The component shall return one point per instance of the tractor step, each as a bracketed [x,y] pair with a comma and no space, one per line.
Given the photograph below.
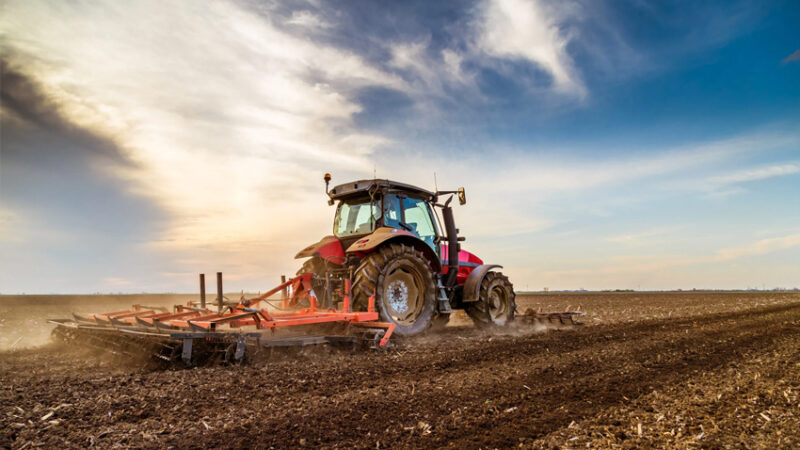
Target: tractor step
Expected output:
[443,306]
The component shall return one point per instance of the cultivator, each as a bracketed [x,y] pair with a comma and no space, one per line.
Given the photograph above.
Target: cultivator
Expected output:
[193,334]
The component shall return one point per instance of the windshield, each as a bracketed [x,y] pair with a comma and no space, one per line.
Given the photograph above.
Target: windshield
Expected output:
[355,216]
[414,212]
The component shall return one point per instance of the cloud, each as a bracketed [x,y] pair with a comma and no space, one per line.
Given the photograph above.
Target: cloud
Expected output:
[652,270]
[438,75]
[224,121]
[526,172]
[729,184]
[528,192]
[28,112]
[529,31]
[220,110]
[499,35]
[10,226]
[643,236]
[761,173]
[760,247]
[795,56]
[116,282]
[308,19]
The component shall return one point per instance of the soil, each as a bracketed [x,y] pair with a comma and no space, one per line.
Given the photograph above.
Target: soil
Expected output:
[682,370]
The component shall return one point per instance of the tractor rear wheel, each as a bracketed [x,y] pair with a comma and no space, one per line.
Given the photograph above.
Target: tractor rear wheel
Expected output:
[496,305]
[404,286]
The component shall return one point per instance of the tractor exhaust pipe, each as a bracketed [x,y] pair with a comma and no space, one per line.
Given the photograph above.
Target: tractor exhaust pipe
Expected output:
[453,247]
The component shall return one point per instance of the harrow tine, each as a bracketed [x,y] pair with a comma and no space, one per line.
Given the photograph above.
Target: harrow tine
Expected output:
[145,323]
[161,326]
[117,322]
[79,318]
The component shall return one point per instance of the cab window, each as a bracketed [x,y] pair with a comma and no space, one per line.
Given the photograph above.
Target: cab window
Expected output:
[392,212]
[355,217]
[419,219]
[414,213]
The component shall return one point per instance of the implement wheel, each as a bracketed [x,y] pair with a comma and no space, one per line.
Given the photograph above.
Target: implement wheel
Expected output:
[404,287]
[496,304]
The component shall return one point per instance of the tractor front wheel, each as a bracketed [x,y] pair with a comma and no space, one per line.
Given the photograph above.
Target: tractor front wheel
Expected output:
[404,286]
[496,305]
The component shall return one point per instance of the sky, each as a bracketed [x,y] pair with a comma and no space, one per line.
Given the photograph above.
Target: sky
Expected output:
[602,144]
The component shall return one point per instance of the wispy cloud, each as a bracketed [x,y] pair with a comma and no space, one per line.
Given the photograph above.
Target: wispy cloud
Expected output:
[438,75]
[528,180]
[795,56]
[760,173]
[529,31]
[643,237]
[760,247]
[308,19]
[526,172]
[731,183]
[116,282]
[499,35]
[655,269]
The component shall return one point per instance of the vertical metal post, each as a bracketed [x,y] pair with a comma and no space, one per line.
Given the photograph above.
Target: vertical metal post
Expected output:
[346,300]
[203,290]
[220,305]
[284,291]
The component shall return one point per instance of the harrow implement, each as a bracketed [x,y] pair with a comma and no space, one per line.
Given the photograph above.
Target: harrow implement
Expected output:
[194,334]
[563,319]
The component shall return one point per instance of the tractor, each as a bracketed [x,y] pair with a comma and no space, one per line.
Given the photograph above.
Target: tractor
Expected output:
[399,243]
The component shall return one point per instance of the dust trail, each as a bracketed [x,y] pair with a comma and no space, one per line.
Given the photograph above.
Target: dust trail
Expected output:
[24,318]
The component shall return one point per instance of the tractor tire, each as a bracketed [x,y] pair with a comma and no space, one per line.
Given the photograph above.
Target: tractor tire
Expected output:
[497,293]
[404,286]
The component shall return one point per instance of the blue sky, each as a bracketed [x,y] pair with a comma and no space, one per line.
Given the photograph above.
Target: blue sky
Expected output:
[642,144]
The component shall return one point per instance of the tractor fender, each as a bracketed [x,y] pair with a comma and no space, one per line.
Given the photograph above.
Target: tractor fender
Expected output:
[328,248]
[472,287]
[395,235]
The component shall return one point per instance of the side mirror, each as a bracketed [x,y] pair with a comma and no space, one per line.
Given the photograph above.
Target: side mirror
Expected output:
[462,196]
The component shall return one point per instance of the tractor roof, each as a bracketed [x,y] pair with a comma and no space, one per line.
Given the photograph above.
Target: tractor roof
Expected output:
[363,186]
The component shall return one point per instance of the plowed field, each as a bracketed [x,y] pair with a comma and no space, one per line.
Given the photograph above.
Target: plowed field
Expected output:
[667,370]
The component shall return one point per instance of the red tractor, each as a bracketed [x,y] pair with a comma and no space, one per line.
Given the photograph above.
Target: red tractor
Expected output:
[400,243]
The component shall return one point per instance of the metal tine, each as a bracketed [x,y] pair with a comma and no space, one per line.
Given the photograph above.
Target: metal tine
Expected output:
[145,323]
[118,322]
[157,323]
[79,318]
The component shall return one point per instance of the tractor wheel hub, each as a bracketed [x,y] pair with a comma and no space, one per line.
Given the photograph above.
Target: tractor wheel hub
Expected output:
[397,294]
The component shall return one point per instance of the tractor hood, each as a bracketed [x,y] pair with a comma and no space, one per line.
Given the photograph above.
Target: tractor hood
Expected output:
[328,248]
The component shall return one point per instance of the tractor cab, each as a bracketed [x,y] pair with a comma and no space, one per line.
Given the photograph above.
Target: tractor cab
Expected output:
[358,216]
[366,205]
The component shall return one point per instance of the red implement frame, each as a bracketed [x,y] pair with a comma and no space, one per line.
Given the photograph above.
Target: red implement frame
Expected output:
[244,314]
